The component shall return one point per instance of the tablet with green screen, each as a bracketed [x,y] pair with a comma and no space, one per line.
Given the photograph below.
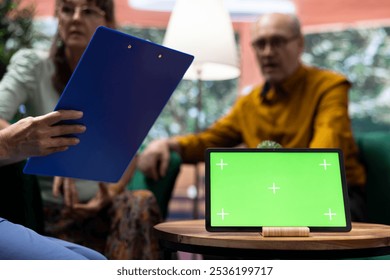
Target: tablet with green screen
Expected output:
[247,189]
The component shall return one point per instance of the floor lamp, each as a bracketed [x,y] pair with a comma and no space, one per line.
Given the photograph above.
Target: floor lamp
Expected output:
[203,28]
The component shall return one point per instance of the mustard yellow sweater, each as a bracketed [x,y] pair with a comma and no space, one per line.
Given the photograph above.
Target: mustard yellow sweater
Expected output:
[311,110]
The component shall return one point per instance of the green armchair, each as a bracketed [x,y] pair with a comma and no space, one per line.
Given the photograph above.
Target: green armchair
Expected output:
[375,155]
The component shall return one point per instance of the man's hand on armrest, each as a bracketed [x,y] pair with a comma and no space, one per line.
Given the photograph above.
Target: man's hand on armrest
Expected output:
[154,160]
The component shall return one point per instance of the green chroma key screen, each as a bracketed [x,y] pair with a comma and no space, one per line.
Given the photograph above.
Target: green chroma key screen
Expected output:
[247,189]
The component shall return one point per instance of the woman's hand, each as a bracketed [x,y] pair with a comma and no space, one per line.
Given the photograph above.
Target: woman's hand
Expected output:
[102,198]
[67,188]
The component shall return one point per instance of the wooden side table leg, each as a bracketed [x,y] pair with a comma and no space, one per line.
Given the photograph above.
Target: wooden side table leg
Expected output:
[166,252]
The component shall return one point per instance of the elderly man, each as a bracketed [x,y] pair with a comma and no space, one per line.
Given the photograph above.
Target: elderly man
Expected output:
[36,137]
[297,106]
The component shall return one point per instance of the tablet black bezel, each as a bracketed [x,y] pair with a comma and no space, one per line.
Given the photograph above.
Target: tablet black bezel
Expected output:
[211,228]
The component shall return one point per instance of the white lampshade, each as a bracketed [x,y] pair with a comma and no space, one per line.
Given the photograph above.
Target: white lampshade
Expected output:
[203,28]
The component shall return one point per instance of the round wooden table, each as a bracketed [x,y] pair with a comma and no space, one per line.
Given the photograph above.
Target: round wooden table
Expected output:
[364,240]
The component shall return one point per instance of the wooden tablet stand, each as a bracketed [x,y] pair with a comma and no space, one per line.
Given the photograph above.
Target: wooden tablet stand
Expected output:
[285,231]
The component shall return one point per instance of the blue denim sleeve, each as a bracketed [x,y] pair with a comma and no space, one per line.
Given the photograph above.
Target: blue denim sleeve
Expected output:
[20,243]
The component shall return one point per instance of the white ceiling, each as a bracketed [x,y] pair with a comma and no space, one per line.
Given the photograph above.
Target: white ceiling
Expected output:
[239,9]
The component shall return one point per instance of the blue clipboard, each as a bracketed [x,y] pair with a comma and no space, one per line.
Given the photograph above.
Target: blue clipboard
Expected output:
[121,83]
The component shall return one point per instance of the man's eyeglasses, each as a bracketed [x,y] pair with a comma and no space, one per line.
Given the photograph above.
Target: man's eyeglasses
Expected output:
[68,11]
[276,42]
